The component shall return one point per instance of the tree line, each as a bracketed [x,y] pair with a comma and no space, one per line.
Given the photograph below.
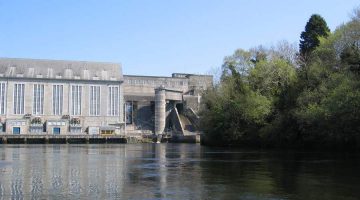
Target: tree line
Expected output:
[283,96]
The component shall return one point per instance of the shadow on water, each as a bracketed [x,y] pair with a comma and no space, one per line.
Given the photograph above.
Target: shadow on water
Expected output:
[173,171]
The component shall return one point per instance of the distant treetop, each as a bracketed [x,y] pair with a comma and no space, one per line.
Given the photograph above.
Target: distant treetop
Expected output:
[316,27]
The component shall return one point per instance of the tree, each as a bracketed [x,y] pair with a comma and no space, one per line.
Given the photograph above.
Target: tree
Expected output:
[316,27]
[239,61]
[285,50]
[356,14]
[242,61]
[280,98]
[351,57]
[272,77]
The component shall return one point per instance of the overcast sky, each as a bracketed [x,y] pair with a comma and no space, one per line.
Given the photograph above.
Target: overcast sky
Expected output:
[155,37]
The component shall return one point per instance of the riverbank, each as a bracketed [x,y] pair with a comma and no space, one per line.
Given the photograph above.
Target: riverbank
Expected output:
[66,139]
[257,143]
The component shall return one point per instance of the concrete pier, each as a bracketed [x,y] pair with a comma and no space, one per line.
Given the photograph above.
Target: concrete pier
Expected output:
[160,110]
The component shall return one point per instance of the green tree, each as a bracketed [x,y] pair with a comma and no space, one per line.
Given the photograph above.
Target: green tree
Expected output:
[350,57]
[266,97]
[316,30]
[240,61]
[316,27]
[232,111]
[272,77]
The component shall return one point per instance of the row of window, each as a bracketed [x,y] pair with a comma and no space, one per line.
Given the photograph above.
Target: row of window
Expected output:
[155,82]
[58,99]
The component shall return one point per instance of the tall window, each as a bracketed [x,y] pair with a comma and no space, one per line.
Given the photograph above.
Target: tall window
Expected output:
[57,99]
[76,91]
[129,112]
[2,98]
[19,98]
[95,100]
[38,99]
[113,101]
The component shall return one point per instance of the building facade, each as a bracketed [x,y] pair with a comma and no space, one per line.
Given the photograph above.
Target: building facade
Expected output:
[78,97]
[60,97]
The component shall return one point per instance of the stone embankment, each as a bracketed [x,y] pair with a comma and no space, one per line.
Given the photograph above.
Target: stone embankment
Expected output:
[92,139]
[61,139]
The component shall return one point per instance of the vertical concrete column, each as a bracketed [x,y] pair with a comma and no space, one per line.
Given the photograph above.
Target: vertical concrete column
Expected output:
[160,110]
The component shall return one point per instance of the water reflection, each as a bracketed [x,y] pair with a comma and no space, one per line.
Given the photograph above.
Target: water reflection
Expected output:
[173,171]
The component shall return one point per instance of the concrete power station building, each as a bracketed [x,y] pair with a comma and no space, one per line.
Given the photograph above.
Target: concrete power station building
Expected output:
[78,97]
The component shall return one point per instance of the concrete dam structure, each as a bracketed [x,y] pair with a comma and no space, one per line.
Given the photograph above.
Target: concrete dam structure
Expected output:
[56,97]
[164,105]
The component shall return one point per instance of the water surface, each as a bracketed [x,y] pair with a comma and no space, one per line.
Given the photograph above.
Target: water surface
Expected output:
[173,171]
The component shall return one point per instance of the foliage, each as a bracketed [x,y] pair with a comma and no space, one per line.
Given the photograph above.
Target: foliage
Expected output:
[271,78]
[231,106]
[350,57]
[266,98]
[240,60]
[316,27]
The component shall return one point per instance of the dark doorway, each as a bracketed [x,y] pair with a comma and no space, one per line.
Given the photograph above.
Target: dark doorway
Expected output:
[180,107]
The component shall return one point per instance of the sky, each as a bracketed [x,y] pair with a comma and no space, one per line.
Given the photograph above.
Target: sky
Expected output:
[156,37]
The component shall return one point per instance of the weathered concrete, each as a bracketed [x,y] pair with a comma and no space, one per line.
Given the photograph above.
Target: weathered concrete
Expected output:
[139,91]
[185,139]
[160,115]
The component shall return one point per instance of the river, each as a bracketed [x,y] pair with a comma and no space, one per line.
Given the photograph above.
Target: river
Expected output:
[173,171]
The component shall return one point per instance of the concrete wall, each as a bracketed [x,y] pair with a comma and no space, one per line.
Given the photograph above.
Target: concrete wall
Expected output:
[198,83]
[192,102]
[145,85]
[21,123]
[62,124]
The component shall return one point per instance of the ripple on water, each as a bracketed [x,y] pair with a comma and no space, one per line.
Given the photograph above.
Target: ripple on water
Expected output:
[171,171]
